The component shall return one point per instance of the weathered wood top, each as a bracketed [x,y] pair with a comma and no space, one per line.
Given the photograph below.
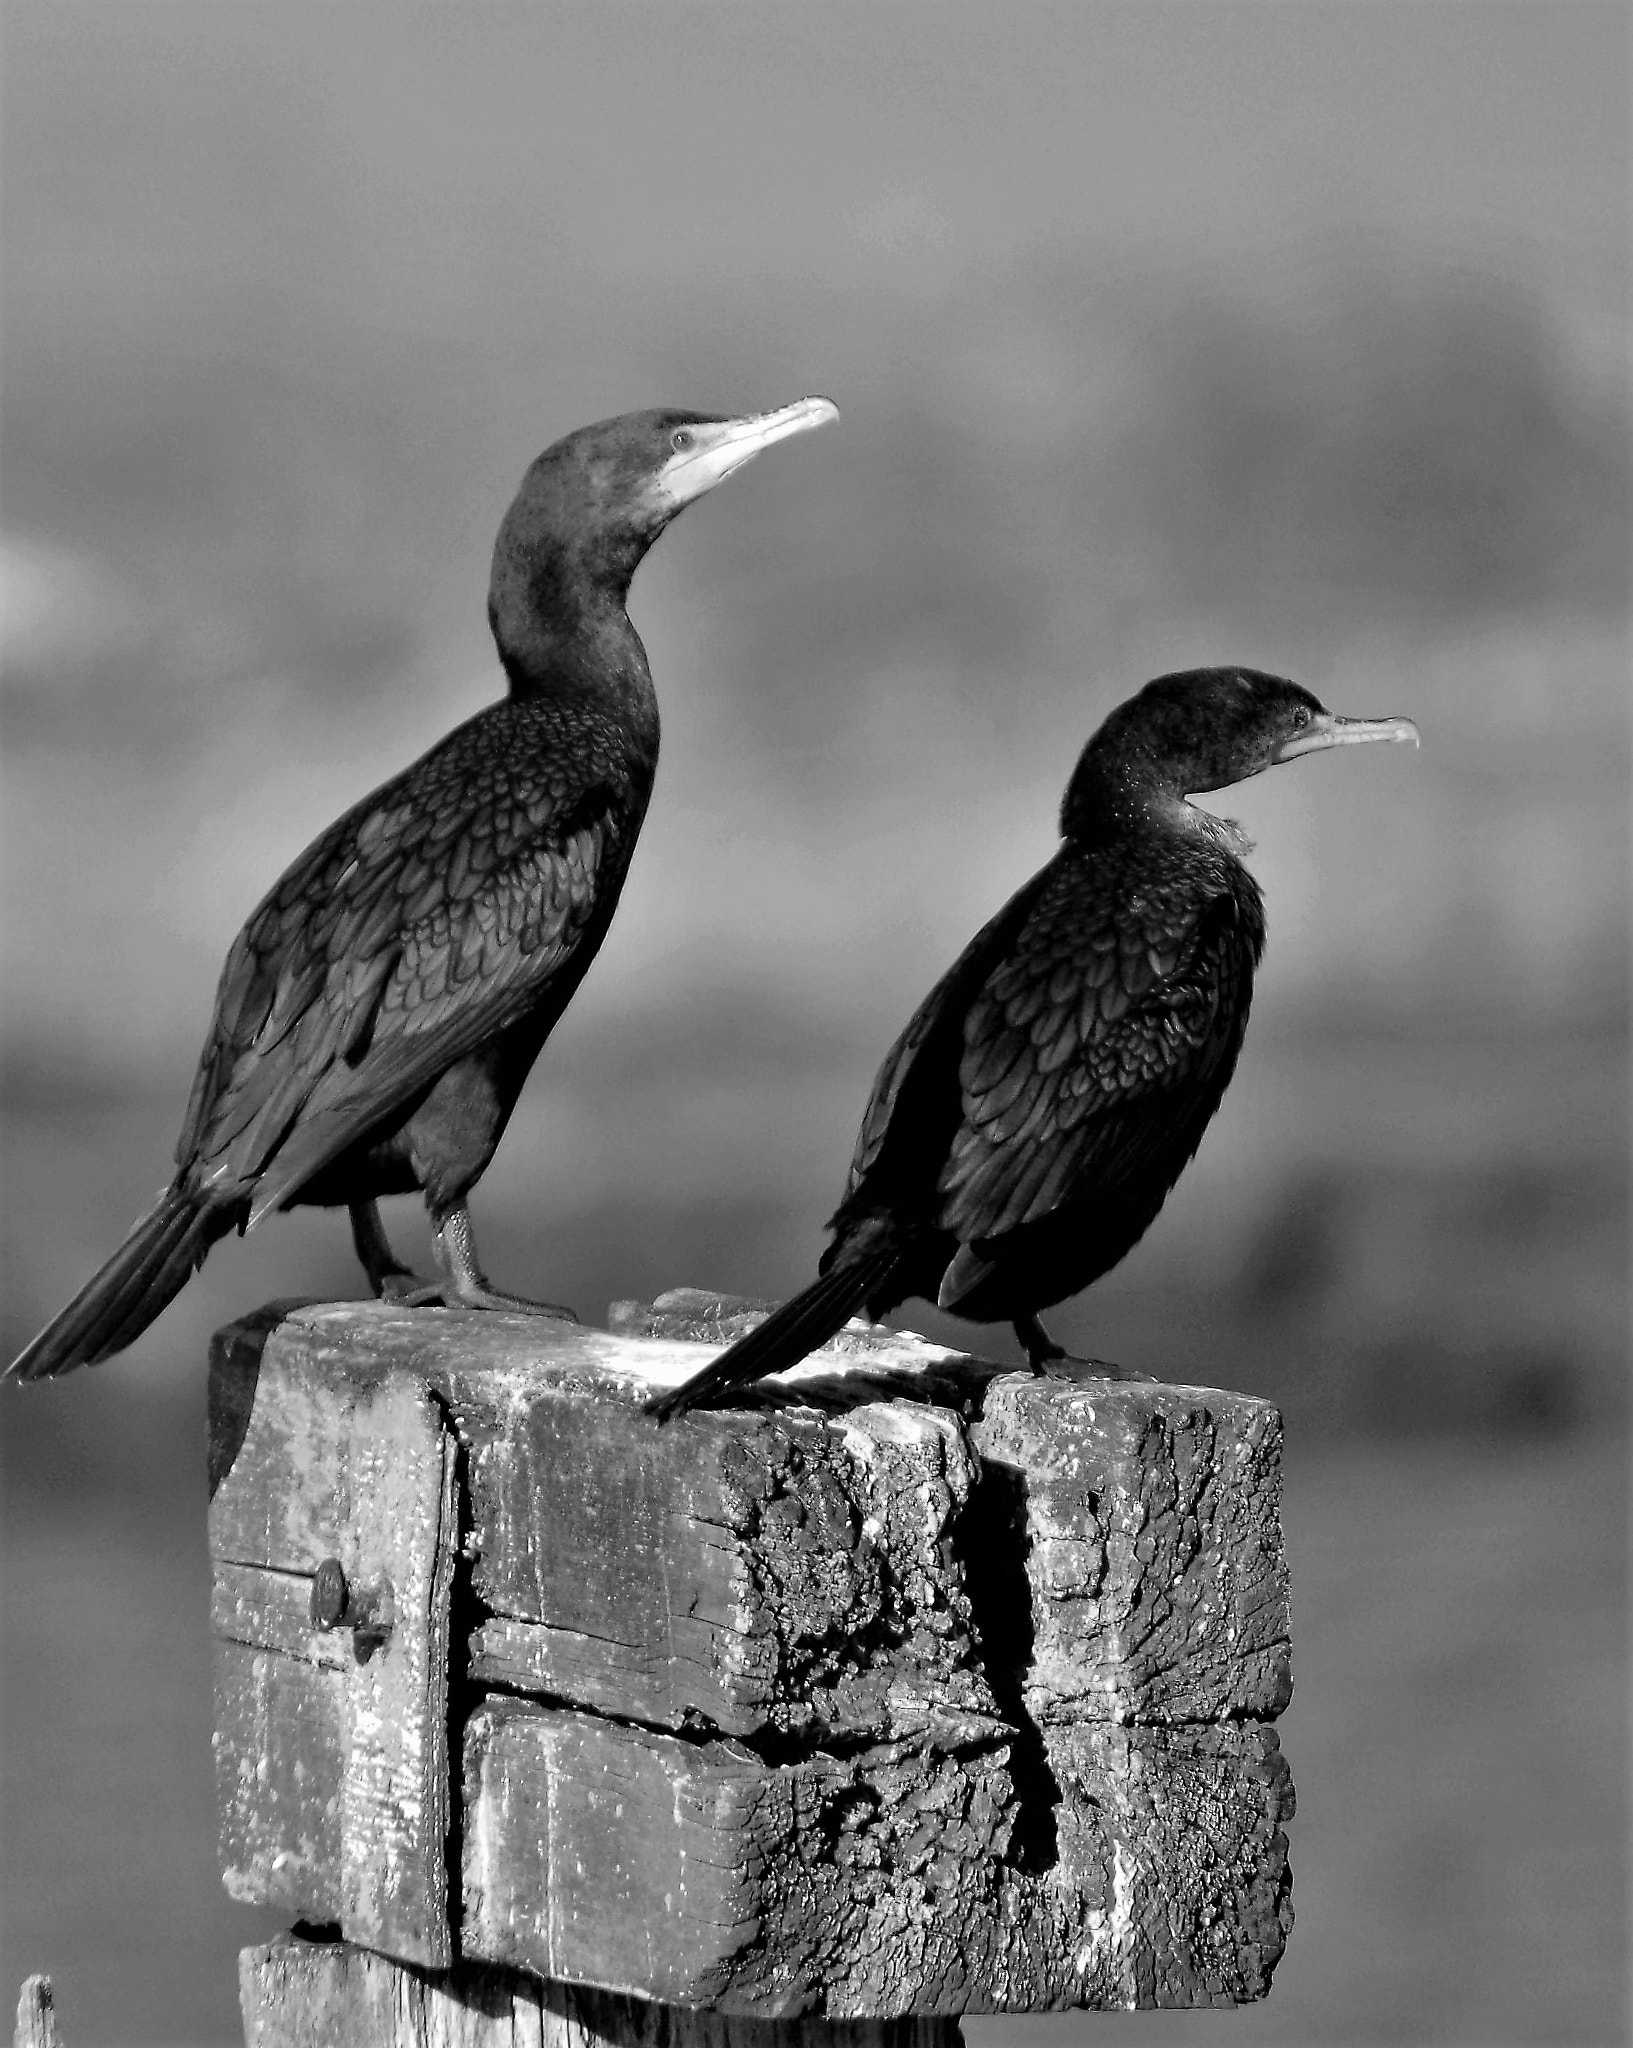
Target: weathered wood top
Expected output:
[915,1684]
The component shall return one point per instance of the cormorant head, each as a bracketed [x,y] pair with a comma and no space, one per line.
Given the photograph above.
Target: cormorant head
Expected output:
[1204,729]
[594,502]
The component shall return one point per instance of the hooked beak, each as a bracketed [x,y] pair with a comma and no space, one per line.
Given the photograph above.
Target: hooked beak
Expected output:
[1326,730]
[721,447]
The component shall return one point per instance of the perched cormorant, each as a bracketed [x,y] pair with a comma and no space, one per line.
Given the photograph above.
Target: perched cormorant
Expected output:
[1026,1127]
[379,1013]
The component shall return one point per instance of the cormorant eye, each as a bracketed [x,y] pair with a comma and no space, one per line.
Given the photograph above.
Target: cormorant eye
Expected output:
[682,438]
[1301,714]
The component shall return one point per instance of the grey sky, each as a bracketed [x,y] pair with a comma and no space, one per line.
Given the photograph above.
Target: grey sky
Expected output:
[837,138]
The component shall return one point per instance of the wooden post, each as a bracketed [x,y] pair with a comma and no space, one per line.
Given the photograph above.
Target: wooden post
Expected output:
[301,1994]
[916,1687]
[36,2016]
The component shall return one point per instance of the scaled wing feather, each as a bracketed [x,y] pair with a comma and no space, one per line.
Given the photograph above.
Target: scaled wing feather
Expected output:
[1105,1028]
[392,948]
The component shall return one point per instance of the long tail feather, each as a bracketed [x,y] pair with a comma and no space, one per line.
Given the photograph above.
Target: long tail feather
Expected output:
[784,1338]
[161,1254]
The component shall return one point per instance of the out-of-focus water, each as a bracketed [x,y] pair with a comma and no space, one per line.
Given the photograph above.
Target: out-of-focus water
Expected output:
[1291,335]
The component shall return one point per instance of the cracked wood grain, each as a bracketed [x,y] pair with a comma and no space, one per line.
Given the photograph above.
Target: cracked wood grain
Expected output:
[878,1883]
[1147,1516]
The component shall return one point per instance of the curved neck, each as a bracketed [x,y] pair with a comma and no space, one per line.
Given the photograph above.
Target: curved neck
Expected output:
[558,618]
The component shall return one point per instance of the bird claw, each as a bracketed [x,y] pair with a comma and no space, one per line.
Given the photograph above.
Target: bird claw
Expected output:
[408,1290]
[505,1304]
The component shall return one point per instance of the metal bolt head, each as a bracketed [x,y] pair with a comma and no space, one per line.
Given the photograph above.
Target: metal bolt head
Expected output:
[329,1594]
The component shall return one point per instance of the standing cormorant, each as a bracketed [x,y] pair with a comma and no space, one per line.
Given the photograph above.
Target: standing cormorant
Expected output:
[1026,1127]
[378,1014]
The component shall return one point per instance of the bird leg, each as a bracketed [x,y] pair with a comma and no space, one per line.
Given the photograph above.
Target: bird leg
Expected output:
[389,1278]
[1036,1341]
[464,1283]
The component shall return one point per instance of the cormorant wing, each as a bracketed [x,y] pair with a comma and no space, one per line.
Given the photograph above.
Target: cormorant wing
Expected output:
[424,921]
[1098,1047]
[916,1086]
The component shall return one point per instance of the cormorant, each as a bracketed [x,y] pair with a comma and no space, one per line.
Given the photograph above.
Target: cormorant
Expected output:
[1026,1127]
[378,1014]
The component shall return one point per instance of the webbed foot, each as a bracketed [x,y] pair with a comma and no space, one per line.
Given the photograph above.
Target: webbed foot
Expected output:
[465,1285]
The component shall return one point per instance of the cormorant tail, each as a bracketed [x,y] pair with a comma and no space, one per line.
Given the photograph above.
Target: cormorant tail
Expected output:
[784,1338]
[163,1251]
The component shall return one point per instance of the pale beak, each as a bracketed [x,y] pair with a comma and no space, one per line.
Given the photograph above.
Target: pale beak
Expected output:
[721,446]
[1325,730]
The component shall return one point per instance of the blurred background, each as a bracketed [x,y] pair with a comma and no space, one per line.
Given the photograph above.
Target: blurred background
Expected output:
[1290,335]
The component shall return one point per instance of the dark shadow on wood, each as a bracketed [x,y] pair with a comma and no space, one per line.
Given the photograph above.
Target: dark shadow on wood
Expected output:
[235,1372]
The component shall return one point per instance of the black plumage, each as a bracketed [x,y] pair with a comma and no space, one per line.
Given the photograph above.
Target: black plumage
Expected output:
[379,1012]
[1027,1126]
